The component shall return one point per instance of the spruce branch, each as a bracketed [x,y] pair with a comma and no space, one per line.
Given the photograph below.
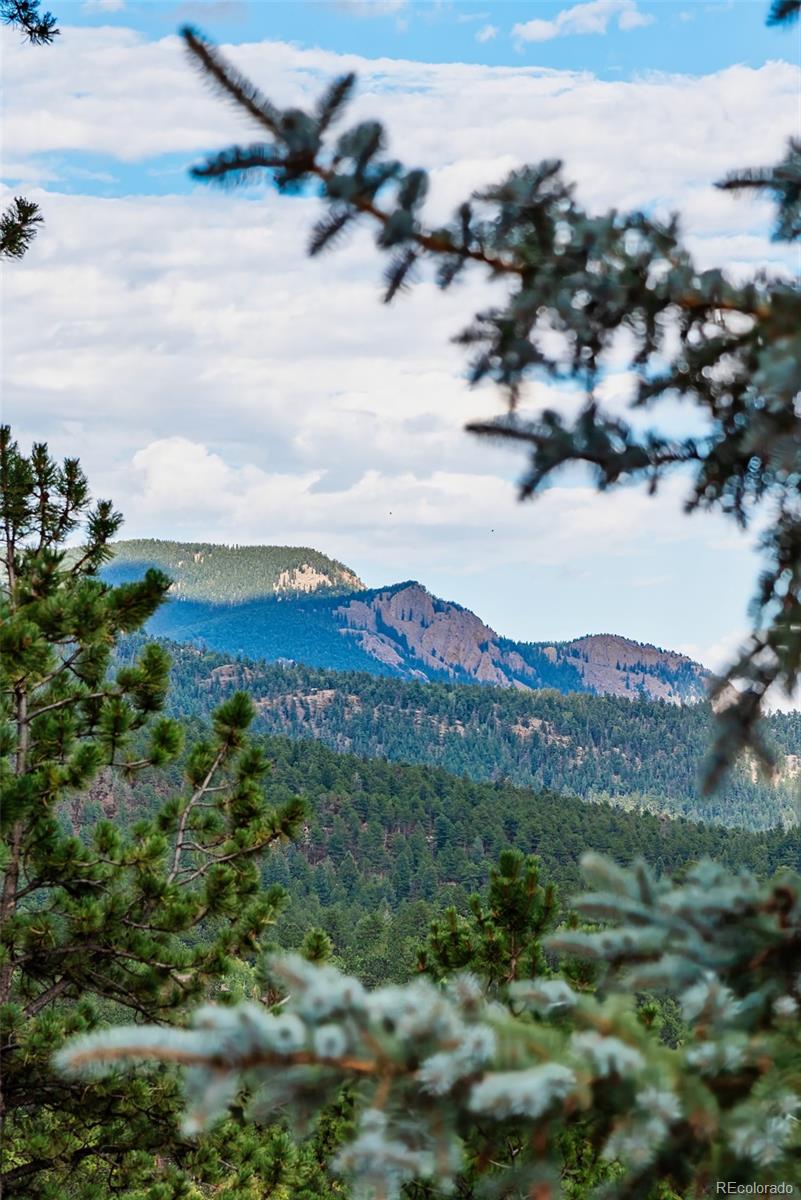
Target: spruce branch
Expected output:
[784,12]
[229,82]
[782,182]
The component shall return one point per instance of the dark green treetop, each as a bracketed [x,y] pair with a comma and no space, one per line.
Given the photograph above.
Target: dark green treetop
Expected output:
[733,350]
[501,939]
[109,923]
[18,227]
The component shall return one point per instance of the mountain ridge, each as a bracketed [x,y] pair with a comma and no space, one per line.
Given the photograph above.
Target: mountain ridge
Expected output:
[324,616]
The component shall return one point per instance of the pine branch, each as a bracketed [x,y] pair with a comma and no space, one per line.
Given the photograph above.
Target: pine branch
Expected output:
[74,700]
[19,225]
[186,812]
[46,997]
[39,28]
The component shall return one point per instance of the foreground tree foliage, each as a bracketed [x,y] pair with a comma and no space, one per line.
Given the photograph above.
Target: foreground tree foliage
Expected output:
[435,1066]
[579,284]
[113,924]
[19,225]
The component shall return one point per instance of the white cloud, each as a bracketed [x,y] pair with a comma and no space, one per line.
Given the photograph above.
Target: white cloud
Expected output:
[592,17]
[631,18]
[717,654]
[486,33]
[103,6]
[92,98]
[220,385]
[411,520]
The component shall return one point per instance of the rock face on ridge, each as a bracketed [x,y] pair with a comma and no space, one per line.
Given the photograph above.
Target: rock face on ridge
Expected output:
[616,666]
[406,623]
[442,636]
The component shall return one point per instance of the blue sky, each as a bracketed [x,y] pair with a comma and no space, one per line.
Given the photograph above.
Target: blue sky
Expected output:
[222,387]
[688,38]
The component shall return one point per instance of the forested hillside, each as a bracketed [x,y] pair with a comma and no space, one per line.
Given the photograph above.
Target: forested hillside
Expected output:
[231,574]
[387,846]
[638,755]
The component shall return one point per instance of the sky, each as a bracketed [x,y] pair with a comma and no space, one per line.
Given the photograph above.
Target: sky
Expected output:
[221,386]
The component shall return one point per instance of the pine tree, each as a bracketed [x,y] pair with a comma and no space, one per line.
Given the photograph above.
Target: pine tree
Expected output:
[501,939]
[733,350]
[119,921]
[501,942]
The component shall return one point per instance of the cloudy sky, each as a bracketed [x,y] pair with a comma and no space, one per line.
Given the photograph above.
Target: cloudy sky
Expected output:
[220,386]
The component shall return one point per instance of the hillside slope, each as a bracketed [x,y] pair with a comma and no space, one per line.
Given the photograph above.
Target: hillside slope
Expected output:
[388,845]
[285,603]
[644,755]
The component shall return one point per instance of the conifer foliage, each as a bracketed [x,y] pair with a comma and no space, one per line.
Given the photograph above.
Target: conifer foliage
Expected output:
[501,940]
[109,924]
[40,28]
[19,225]
[431,1064]
[576,282]
[20,222]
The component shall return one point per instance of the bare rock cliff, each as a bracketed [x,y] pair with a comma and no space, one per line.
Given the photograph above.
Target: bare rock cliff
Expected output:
[408,626]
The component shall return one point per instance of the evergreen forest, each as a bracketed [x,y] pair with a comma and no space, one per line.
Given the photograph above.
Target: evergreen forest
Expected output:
[638,754]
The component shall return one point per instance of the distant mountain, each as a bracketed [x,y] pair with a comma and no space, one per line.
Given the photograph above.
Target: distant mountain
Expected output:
[232,574]
[444,638]
[280,603]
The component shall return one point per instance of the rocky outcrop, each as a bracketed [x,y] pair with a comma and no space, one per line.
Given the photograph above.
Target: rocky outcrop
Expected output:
[306,578]
[407,625]
[443,636]
[616,666]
